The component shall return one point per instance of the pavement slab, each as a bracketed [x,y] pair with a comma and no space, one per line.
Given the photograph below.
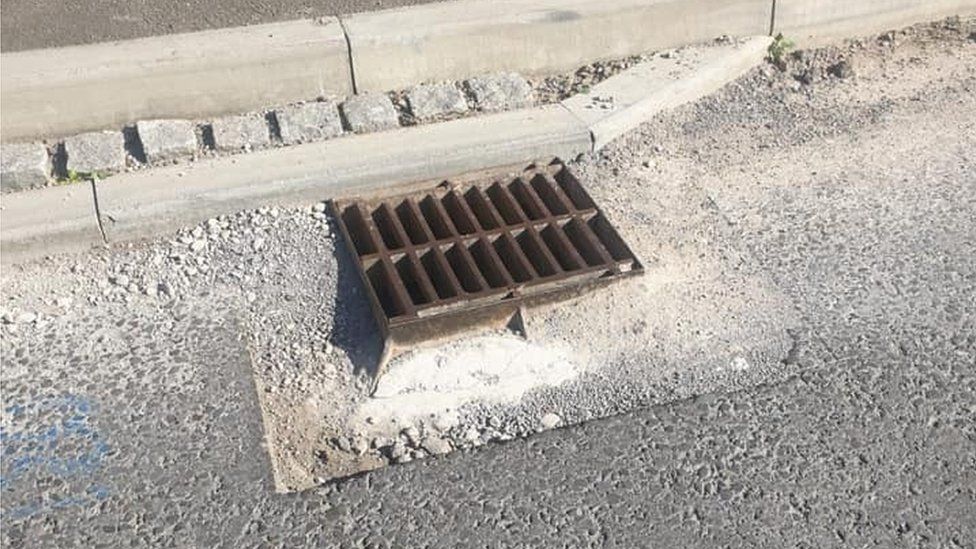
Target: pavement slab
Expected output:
[369,112]
[167,140]
[502,91]
[24,165]
[428,101]
[240,133]
[95,152]
[308,122]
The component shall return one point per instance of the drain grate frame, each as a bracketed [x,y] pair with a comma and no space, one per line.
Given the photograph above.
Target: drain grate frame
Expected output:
[470,253]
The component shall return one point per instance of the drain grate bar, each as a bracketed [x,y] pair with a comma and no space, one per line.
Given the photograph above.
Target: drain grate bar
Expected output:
[458,248]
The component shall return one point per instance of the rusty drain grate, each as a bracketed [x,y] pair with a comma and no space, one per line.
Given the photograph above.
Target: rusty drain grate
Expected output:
[458,256]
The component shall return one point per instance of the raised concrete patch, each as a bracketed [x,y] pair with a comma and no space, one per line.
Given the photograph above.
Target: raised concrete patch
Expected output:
[23,165]
[190,75]
[370,112]
[396,48]
[700,318]
[625,101]
[165,140]
[240,133]
[498,92]
[489,368]
[95,152]
[308,122]
[429,101]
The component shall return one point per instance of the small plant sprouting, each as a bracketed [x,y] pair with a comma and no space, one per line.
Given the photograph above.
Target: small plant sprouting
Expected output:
[77,177]
[778,50]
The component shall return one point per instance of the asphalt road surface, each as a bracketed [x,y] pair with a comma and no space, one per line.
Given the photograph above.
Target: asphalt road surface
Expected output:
[33,24]
[856,196]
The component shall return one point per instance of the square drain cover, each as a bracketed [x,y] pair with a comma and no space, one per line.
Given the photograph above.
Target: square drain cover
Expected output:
[467,254]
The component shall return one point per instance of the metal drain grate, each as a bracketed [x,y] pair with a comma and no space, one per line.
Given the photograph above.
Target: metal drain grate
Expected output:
[440,261]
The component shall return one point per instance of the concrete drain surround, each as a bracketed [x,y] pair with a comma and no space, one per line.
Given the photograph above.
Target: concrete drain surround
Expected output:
[464,255]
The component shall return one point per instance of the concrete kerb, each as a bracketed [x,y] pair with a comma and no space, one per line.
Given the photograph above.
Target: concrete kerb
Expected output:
[148,203]
[48,221]
[36,92]
[453,40]
[145,204]
[811,23]
[68,90]
[57,92]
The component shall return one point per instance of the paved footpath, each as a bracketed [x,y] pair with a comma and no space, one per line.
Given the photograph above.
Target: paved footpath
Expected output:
[856,197]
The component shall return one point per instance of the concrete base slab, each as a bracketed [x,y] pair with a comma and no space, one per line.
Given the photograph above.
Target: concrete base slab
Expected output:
[701,317]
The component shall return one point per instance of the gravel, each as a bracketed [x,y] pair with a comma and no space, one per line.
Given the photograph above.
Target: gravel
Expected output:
[436,446]
[555,88]
[550,421]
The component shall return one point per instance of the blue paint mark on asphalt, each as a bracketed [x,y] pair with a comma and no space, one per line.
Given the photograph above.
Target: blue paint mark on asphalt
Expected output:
[50,438]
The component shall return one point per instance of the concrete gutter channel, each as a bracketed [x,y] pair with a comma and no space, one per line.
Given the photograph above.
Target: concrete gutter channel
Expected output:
[234,70]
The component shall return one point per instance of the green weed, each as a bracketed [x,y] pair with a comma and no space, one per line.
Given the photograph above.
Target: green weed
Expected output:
[78,177]
[778,50]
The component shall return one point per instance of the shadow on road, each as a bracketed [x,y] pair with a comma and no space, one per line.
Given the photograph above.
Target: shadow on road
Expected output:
[354,330]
